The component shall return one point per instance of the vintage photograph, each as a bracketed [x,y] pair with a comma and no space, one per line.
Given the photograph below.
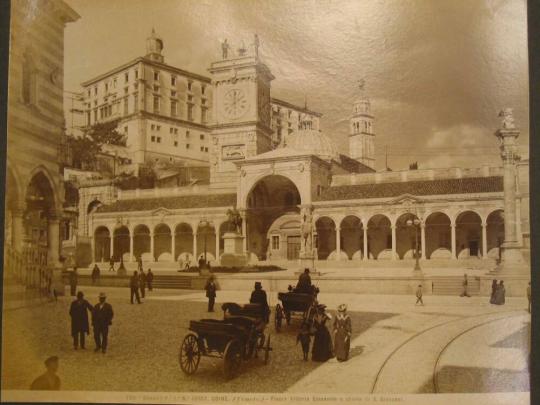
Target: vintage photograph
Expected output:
[265,201]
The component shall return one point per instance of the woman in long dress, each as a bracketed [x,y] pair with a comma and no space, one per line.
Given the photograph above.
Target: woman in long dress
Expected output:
[322,344]
[500,295]
[493,291]
[342,333]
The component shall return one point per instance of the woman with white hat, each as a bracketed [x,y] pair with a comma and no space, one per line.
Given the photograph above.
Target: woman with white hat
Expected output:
[342,333]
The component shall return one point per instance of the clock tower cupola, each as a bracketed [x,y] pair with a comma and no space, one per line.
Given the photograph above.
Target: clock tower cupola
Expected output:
[241,111]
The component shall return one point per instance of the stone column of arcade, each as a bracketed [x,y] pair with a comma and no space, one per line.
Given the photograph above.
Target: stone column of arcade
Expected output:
[17,229]
[53,253]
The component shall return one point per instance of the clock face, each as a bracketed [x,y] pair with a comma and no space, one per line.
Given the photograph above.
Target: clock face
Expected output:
[235,103]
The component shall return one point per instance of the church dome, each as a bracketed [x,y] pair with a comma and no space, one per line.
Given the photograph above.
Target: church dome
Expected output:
[314,142]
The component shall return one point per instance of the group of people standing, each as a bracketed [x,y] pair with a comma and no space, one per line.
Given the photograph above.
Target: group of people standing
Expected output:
[138,282]
[498,293]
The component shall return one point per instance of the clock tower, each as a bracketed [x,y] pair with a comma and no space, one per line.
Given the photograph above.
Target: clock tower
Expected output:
[241,114]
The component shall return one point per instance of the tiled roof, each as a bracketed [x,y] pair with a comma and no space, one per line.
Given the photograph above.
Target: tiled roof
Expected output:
[185,201]
[428,187]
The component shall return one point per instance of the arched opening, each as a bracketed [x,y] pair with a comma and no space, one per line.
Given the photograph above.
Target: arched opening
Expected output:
[379,237]
[407,236]
[325,241]
[121,243]
[270,198]
[141,243]
[352,237]
[162,243]
[468,235]
[102,244]
[93,206]
[183,240]
[495,233]
[438,236]
[206,242]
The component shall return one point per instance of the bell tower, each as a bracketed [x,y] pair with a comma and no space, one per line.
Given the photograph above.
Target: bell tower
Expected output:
[241,111]
[361,136]
[154,47]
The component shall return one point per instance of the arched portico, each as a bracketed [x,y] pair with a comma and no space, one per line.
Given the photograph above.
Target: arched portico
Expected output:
[352,237]
[469,235]
[438,236]
[379,234]
[142,242]
[183,245]
[121,244]
[495,233]
[325,237]
[162,243]
[102,244]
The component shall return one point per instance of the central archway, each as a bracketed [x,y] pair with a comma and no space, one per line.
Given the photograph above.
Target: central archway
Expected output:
[270,198]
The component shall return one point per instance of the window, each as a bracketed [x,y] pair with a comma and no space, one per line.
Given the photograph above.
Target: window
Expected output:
[187,134]
[106,87]
[206,149]
[176,131]
[158,127]
[190,112]
[156,104]
[135,102]
[88,92]
[190,86]
[275,242]
[136,74]
[173,93]
[88,117]
[203,88]
[202,148]
[125,130]
[156,75]
[203,114]
[126,90]
[171,130]
[125,106]
[126,77]
[187,145]
[95,91]
[201,137]
[153,138]
[175,143]
[173,81]
[152,127]
[158,139]
[95,114]
[174,108]
[109,110]
[114,82]
[156,88]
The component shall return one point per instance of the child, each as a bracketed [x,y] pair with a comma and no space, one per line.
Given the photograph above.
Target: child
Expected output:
[305,339]
[419,295]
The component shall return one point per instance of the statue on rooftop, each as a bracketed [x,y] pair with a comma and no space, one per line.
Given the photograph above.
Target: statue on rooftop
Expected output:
[225,49]
[507,115]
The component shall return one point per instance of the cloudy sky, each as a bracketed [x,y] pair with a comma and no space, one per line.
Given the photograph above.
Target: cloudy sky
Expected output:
[437,72]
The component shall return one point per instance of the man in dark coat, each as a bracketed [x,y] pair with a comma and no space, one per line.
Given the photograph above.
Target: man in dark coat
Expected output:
[149,279]
[79,320]
[142,283]
[48,381]
[134,287]
[304,283]
[101,320]
[258,296]
[95,274]
[211,288]
[139,263]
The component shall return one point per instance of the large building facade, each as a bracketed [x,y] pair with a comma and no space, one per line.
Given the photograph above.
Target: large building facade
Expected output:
[35,193]
[300,198]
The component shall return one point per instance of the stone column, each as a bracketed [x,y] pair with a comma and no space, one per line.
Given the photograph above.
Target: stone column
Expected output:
[484,241]
[394,245]
[195,246]
[93,247]
[244,231]
[423,240]
[453,240]
[152,246]
[366,253]
[53,242]
[131,246]
[111,241]
[338,243]
[173,245]
[17,229]
[217,245]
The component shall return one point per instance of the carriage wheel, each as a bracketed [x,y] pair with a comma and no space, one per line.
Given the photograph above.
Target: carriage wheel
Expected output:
[267,350]
[278,316]
[232,359]
[190,355]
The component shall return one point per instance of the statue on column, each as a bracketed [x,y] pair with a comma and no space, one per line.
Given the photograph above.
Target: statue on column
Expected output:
[507,115]
[225,49]
[256,44]
[242,50]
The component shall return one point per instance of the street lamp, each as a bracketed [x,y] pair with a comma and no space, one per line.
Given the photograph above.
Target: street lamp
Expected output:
[204,224]
[416,223]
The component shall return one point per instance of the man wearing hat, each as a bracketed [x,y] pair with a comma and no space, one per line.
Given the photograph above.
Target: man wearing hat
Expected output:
[211,288]
[101,320]
[304,283]
[342,333]
[48,381]
[258,296]
[79,320]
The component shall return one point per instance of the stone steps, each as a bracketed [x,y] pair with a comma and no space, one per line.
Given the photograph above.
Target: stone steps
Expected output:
[172,282]
[454,286]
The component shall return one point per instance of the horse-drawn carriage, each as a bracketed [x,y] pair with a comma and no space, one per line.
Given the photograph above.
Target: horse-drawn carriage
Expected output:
[294,302]
[238,337]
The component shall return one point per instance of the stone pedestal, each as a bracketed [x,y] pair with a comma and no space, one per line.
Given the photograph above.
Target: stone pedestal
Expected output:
[512,262]
[233,250]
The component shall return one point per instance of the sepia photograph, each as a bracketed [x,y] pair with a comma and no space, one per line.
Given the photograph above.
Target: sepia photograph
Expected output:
[256,201]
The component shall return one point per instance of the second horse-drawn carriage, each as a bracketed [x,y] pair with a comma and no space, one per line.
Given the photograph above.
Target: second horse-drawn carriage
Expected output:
[238,337]
[294,302]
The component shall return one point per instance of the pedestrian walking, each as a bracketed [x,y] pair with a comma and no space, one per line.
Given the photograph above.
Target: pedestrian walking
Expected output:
[48,381]
[101,320]
[211,288]
[73,279]
[493,291]
[79,320]
[500,294]
[322,343]
[142,283]
[111,264]
[529,296]
[134,287]
[342,334]
[465,284]
[419,295]
[139,263]
[149,279]
[96,272]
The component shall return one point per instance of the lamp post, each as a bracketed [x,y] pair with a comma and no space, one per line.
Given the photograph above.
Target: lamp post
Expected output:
[204,224]
[416,223]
